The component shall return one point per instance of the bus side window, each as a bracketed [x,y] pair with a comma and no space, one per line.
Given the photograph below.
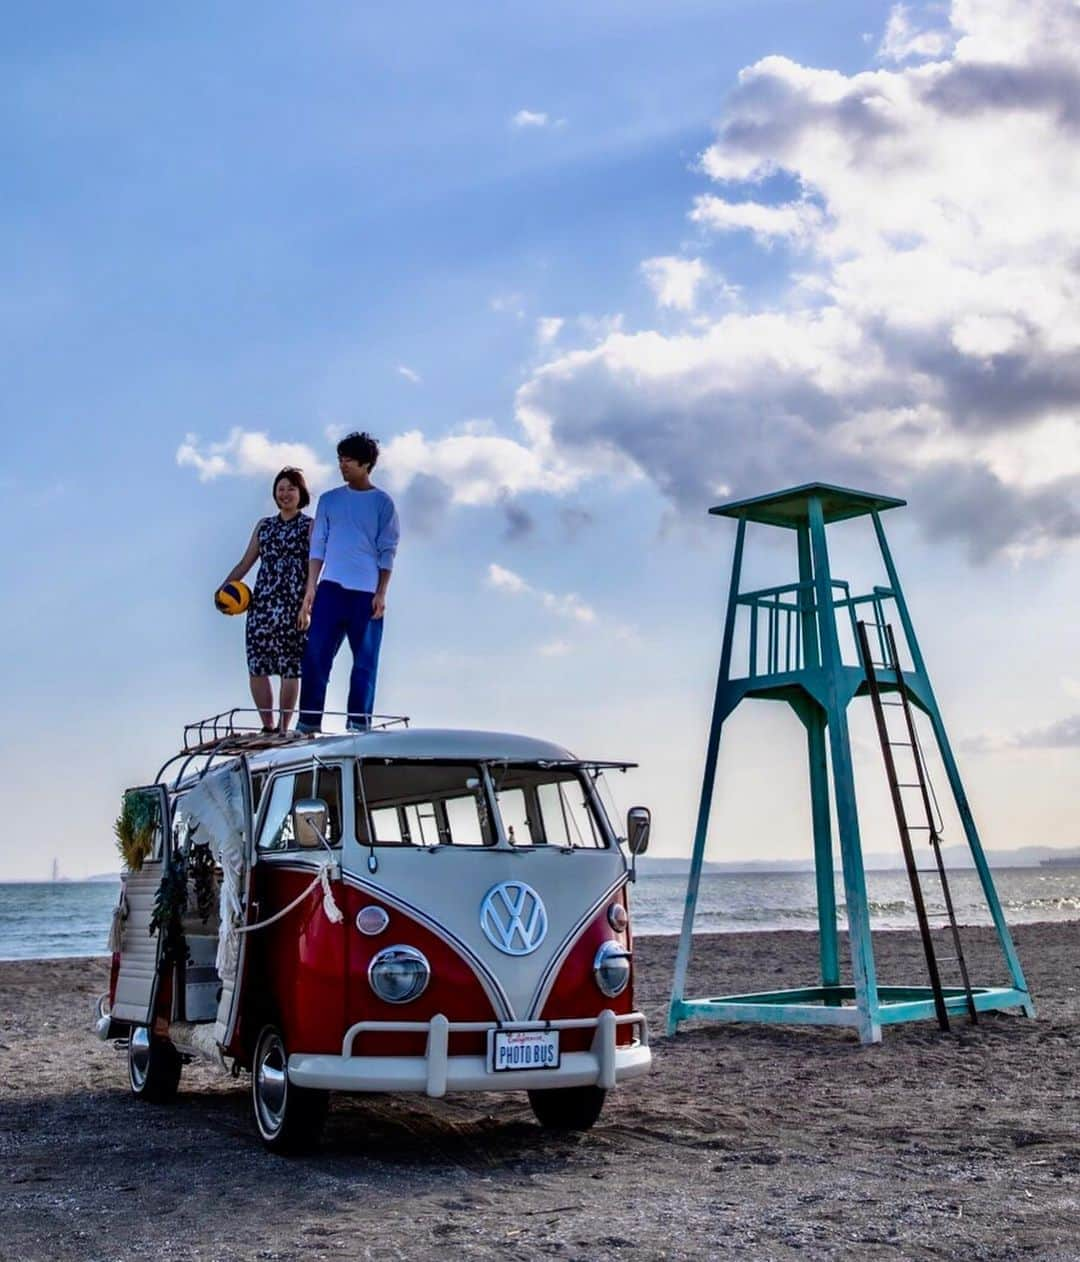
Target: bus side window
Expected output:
[324,783]
[277,819]
[286,790]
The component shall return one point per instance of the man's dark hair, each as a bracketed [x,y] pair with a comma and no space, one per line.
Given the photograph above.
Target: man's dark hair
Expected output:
[296,477]
[360,447]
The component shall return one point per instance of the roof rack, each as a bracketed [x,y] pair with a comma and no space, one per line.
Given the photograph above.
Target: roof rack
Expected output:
[239,730]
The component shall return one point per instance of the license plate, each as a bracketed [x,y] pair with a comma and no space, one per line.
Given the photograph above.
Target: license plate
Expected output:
[511,1050]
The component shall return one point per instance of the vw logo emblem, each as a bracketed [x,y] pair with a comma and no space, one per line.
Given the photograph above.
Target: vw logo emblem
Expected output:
[513,918]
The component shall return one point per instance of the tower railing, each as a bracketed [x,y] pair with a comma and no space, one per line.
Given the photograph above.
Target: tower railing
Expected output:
[781,620]
[775,618]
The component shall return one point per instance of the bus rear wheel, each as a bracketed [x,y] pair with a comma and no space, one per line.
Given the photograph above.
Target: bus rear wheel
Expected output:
[288,1118]
[153,1066]
[567,1108]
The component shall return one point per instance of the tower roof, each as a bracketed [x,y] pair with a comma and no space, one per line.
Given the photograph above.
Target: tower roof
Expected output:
[790,508]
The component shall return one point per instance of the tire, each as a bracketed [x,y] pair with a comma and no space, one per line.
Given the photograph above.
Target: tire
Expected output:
[153,1066]
[288,1118]
[567,1108]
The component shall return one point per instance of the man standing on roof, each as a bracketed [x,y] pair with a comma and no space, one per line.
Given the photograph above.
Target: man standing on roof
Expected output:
[353,543]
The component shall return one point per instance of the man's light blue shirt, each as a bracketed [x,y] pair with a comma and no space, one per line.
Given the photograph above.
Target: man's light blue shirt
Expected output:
[355,536]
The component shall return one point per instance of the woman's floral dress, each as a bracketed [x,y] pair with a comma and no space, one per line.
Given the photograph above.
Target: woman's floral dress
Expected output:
[275,644]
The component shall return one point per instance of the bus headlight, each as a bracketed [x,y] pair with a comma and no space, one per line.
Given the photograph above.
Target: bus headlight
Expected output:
[611,968]
[399,974]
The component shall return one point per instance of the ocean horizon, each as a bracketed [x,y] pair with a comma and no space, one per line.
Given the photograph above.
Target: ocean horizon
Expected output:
[61,919]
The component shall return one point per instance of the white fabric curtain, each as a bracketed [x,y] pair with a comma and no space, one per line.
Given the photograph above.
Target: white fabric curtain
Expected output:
[216,805]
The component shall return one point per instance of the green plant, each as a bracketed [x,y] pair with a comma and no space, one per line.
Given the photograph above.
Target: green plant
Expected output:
[135,827]
[201,867]
[170,902]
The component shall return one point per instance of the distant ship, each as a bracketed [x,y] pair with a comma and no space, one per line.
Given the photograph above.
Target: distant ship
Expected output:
[56,870]
[1061,861]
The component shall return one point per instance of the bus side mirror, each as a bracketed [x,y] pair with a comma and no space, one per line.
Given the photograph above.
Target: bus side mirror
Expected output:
[638,823]
[309,823]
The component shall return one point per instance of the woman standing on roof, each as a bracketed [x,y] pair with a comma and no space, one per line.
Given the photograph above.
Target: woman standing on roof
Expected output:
[275,642]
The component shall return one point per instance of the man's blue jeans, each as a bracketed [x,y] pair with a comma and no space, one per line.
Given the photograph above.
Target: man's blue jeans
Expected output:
[339,612]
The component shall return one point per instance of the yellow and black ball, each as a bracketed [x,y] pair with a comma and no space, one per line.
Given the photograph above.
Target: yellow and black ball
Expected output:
[233,597]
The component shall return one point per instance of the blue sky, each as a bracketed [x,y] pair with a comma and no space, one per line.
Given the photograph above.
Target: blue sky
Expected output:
[583,273]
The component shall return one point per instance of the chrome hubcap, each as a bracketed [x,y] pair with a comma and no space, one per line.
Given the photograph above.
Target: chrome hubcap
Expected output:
[139,1056]
[271,1083]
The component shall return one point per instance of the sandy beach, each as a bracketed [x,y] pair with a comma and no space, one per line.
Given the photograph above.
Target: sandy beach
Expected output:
[745,1141]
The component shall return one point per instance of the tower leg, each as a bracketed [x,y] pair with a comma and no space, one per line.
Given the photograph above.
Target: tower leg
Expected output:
[721,709]
[823,860]
[686,933]
[953,774]
[863,970]
[813,717]
[864,974]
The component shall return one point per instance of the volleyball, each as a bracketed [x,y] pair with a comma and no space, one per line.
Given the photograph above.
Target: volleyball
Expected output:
[233,597]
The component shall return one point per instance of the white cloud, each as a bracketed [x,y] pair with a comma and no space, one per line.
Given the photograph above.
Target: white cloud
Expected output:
[903,40]
[928,341]
[568,606]
[565,605]
[508,304]
[597,328]
[675,281]
[1062,734]
[984,336]
[506,580]
[797,221]
[249,453]
[554,648]
[529,118]
[478,466]
[548,329]
[409,374]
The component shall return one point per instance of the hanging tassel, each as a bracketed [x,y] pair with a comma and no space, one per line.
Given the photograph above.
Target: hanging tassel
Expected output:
[116,929]
[332,910]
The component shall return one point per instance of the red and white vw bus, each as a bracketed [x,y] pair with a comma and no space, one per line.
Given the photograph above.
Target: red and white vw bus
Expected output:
[391,910]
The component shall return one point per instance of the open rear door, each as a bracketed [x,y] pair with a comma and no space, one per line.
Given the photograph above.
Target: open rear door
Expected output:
[140,950]
[232,979]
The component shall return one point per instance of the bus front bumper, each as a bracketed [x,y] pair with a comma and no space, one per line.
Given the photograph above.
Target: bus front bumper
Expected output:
[605,1064]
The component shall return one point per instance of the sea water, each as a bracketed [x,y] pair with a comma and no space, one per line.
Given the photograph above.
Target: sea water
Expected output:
[67,918]
[55,918]
[730,902]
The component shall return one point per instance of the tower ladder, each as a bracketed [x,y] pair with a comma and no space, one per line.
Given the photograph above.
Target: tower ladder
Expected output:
[887,641]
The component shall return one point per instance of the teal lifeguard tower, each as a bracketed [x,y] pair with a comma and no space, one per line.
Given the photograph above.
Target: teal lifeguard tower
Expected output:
[817,647]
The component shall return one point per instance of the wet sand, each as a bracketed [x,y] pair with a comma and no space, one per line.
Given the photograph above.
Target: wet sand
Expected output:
[745,1141]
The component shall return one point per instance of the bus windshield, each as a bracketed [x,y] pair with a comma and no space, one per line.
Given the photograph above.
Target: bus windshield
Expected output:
[549,806]
[401,803]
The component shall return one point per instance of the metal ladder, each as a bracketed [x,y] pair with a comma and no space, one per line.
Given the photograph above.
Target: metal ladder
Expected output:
[932,827]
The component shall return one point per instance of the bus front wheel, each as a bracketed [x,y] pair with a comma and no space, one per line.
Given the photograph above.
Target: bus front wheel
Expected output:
[567,1108]
[288,1118]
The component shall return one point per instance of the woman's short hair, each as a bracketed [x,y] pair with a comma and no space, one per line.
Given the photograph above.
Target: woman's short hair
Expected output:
[360,447]
[296,477]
